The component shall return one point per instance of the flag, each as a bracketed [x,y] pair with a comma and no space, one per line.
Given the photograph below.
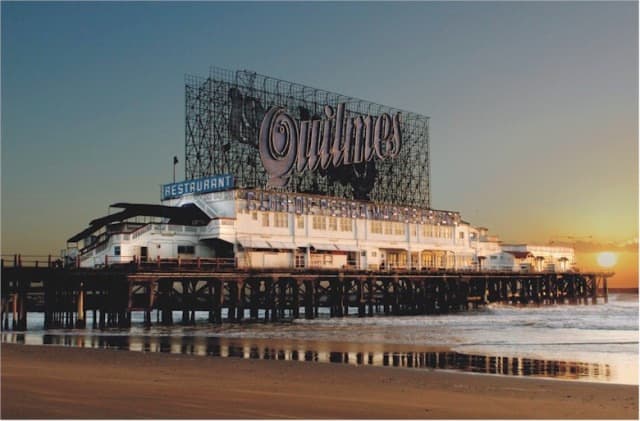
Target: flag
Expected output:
[175,160]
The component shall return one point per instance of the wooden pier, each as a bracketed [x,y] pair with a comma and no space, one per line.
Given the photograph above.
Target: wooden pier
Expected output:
[67,295]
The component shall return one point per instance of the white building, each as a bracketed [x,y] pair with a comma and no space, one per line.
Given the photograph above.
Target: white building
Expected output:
[249,228]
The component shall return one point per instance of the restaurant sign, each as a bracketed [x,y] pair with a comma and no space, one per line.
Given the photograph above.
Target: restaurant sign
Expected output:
[210,184]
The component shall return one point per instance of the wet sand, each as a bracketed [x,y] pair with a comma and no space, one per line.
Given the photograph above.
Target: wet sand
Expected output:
[56,382]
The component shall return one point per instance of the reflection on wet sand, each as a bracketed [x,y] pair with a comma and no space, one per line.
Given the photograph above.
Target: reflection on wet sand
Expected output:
[327,353]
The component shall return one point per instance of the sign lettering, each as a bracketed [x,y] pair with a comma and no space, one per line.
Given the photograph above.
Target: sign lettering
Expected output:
[287,145]
[199,186]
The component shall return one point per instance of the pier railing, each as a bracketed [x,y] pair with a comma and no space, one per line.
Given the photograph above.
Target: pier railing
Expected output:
[113,261]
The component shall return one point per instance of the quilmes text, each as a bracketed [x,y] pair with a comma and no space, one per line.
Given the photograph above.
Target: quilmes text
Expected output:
[287,144]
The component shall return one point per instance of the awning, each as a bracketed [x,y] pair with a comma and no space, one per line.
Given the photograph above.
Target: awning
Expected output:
[254,243]
[281,245]
[520,254]
[324,246]
[347,247]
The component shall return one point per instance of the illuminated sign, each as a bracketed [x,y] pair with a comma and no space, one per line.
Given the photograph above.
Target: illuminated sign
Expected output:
[197,186]
[287,145]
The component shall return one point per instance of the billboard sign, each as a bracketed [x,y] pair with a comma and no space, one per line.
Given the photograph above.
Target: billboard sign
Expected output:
[289,145]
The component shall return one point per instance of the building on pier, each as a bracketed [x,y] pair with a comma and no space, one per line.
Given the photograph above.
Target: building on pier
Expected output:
[282,175]
[261,229]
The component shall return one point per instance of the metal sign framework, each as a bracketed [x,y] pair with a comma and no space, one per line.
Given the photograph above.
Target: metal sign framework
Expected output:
[223,116]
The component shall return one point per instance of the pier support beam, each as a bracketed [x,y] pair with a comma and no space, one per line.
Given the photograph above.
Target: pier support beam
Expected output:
[81,322]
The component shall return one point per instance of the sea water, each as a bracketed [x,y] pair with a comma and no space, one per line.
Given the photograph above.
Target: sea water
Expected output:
[582,342]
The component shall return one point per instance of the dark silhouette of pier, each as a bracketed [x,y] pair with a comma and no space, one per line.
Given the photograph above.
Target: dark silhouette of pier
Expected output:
[66,294]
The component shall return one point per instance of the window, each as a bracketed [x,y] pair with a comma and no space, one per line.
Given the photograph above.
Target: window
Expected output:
[428,230]
[300,221]
[345,224]
[281,220]
[265,219]
[398,228]
[462,235]
[116,251]
[387,227]
[186,250]
[254,216]
[319,222]
[376,227]
[333,223]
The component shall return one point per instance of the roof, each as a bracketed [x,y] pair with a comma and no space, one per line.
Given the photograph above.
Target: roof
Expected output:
[179,215]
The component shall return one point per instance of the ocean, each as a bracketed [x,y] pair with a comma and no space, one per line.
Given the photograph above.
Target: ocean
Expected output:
[597,343]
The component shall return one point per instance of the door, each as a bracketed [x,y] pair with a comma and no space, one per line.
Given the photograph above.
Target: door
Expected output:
[144,253]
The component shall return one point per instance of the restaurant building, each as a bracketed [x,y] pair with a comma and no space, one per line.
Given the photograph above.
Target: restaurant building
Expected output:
[280,175]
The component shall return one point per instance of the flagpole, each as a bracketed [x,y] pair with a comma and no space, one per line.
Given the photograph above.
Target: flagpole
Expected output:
[175,161]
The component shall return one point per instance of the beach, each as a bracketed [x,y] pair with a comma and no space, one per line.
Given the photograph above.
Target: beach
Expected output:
[59,382]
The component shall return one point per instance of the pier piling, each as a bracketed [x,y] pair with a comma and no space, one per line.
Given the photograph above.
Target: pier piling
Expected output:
[66,295]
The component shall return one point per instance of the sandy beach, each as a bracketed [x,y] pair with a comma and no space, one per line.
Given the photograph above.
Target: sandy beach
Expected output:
[55,382]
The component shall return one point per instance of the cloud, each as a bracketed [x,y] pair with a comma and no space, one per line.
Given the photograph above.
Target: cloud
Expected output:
[595,246]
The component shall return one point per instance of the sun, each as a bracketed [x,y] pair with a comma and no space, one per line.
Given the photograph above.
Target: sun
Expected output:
[607,259]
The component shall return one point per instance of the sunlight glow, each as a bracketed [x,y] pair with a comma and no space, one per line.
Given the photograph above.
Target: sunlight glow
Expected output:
[607,259]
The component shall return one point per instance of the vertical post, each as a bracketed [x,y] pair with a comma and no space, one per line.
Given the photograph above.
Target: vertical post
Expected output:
[103,309]
[606,290]
[308,299]
[5,322]
[240,296]
[186,300]
[282,296]
[81,322]
[361,299]
[254,298]
[295,286]
[395,305]
[14,311]
[218,299]
[274,298]
[22,309]
[370,289]
[150,302]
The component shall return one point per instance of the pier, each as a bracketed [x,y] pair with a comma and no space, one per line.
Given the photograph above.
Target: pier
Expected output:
[112,293]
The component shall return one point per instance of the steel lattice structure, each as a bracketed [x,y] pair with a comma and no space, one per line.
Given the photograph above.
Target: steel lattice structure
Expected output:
[223,116]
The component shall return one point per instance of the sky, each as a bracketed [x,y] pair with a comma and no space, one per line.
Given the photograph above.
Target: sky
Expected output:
[533,106]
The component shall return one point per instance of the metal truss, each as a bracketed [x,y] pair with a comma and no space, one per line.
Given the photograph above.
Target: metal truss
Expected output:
[223,116]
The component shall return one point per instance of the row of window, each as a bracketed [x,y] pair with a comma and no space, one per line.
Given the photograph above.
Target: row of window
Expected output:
[438,231]
[318,222]
[388,228]
[332,223]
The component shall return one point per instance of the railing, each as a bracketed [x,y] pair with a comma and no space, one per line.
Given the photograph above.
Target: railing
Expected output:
[217,263]
[18,260]
[199,263]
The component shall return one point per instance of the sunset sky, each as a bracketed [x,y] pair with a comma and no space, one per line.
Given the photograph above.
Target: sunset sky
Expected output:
[534,106]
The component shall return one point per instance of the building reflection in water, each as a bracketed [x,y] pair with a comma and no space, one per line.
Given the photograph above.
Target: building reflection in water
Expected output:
[237,348]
